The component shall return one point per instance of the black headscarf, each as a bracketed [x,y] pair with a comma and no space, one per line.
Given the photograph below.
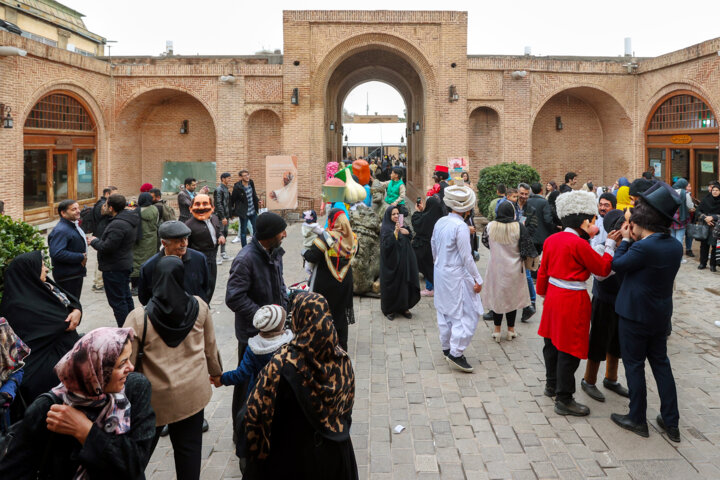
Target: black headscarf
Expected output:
[505,212]
[144,200]
[171,309]
[399,276]
[388,226]
[710,205]
[425,222]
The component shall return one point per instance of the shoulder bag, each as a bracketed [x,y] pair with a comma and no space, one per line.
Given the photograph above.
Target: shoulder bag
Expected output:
[698,231]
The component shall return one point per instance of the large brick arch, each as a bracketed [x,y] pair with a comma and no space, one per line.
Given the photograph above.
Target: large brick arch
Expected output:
[596,140]
[484,138]
[147,134]
[264,138]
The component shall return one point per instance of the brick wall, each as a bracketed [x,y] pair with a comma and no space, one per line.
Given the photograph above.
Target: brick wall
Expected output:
[484,140]
[263,139]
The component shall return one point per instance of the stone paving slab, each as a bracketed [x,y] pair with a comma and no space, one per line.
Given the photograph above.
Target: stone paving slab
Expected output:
[494,423]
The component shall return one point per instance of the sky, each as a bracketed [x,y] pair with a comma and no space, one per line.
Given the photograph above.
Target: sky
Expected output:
[236,27]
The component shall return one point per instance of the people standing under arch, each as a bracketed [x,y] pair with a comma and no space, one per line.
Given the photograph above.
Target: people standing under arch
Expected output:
[185,198]
[68,249]
[709,212]
[244,204]
[206,234]
[222,210]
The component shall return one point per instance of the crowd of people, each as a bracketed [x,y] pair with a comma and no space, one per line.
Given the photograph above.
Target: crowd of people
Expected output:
[95,405]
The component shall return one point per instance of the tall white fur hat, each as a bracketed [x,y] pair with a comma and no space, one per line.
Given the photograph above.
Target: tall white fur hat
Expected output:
[460,199]
[267,318]
[575,202]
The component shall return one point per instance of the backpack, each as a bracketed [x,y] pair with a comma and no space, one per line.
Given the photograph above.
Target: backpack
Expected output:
[168,212]
[87,219]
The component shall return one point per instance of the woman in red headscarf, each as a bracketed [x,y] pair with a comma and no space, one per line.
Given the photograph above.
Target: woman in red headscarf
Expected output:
[332,278]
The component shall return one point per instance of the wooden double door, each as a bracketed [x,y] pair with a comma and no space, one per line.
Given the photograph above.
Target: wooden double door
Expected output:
[698,165]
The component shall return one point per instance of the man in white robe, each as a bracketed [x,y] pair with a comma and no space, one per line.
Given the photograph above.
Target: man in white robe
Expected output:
[457,280]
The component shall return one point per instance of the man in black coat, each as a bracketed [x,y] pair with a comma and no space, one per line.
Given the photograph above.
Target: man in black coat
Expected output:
[100,221]
[244,203]
[68,249]
[205,235]
[174,238]
[256,280]
[543,214]
[529,215]
[115,255]
[222,208]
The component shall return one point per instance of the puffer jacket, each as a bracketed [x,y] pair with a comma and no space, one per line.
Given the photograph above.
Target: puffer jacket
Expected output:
[115,248]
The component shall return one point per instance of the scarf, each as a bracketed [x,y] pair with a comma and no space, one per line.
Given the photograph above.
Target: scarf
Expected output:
[12,351]
[319,372]
[710,205]
[388,226]
[424,223]
[85,371]
[393,191]
[345,243]
[683,212]
[171,309]
[623,198]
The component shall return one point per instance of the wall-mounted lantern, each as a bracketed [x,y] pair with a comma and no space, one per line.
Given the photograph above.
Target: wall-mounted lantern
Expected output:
[7,120]
[453,94]
[185,127]
[558,123]
[294,99]
[332,126]
[417,126]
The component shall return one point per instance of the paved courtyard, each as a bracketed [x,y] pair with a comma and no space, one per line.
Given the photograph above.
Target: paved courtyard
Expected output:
[494,423]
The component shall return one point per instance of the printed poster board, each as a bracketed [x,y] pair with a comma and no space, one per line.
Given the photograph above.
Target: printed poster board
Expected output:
[456,167]
[175,173]
[281,182]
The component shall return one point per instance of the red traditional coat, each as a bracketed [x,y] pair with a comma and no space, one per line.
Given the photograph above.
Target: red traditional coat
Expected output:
[566,313]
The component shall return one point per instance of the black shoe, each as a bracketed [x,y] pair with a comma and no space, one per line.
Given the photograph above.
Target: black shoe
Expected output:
[701,267]
[713,268]
[625,422]
[488,315]
[592,390]
[689,253]
[459,362]
[390,316]
[446,352]
[616,387]
[571,407]
[528,312]
[549,391]
[673,433]
[407,314]
[164,432]
[205,426]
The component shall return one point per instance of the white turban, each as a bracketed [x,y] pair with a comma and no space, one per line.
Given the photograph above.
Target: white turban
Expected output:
[267,318]
[459,199]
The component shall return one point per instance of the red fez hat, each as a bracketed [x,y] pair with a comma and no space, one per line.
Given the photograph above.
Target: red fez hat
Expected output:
[440,168]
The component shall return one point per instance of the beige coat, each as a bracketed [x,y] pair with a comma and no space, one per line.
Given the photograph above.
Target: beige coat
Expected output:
[179,376]
[505,289]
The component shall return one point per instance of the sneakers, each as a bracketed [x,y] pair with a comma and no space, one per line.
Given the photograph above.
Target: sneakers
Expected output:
[98,289]
[488,315]
[459,363]
[236,240]
[426,293]
[446,352]
[219,260]
[717,323]
[224,255]
[571,407]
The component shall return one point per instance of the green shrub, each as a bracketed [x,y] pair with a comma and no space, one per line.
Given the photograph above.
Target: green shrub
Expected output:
[17,237]
[509,174]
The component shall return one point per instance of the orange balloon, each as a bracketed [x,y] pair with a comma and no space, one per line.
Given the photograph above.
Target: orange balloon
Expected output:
[361,169]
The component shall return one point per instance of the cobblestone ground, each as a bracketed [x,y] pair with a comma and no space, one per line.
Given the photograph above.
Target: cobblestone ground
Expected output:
[494,423]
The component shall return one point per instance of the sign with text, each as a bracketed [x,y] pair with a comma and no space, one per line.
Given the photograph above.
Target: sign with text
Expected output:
[681,139]
[281,182]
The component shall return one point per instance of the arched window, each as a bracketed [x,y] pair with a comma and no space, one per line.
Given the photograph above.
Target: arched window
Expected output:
[60,141]
[683,112]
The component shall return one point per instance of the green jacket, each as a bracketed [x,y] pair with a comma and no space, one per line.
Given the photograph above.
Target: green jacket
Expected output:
[148,245]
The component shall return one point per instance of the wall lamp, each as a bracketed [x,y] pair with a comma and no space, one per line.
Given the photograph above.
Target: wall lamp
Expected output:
[417,126]
[454,97]
[185,127]
[518,74]
[346,138]
[7,120]
[408,131]
[228,79]
[402,139]
[558,123]
[294,98]
[332,126]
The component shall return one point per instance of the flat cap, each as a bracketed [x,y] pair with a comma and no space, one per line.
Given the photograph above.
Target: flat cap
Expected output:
[174,229]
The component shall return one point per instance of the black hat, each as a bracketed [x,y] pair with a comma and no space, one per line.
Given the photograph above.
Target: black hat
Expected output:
[640,185]
[610,198]
[611,218]
[662,198]
[173,229]
[268,225]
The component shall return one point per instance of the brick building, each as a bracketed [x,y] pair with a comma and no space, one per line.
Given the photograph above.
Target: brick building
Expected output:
[82,123]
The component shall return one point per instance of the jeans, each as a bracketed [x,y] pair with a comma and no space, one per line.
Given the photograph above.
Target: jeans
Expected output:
[688,241]
[117,291]
[428,285]
[679,235]
[225,234]
[243,227]
[531,286]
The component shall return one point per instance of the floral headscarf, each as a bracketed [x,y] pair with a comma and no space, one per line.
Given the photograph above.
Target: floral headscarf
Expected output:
[85,371]
[12,351]
[345,243]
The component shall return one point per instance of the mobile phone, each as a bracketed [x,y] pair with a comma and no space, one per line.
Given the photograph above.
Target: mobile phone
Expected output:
[401,219]
[418,201]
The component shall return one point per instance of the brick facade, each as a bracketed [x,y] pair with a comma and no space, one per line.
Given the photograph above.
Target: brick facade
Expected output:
[139,103]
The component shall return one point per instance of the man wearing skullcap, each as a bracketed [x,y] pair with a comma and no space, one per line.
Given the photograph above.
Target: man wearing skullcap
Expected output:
[457,280]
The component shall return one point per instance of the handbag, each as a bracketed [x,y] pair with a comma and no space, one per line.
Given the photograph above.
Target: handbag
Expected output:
[699,231]
[141,347]
[532,263]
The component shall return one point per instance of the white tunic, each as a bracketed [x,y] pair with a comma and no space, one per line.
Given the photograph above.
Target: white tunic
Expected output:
[455,270]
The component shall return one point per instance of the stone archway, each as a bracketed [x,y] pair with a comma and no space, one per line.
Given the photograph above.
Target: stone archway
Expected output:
[263,138]
[484,139]
[148,133]
[585,130]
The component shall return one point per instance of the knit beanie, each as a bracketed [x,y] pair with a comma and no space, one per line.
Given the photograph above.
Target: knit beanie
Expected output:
[268,225]
[267,318]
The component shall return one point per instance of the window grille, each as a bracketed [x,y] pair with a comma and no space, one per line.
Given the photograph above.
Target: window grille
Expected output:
[683,112]
[59,112]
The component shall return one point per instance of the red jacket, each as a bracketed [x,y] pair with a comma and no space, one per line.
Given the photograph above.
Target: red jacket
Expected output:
[566,313]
